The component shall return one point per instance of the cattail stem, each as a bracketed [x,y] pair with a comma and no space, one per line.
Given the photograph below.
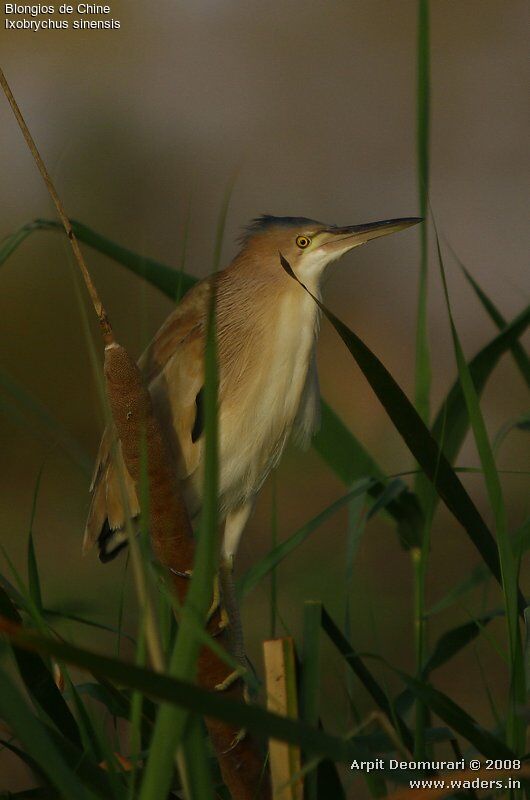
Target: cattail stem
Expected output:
[106,328]
[170,529]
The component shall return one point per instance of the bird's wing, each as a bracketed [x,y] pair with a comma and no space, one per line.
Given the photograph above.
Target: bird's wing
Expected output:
[114,496]
[181,323]
[173,369]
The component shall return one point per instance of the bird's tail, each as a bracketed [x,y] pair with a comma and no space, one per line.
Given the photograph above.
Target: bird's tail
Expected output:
[110,543]
[114,503]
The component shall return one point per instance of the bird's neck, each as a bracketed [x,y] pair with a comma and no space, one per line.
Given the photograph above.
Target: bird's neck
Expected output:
[261,318]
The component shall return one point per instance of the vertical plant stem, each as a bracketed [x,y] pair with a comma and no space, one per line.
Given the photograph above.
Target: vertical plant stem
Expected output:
[515,727]
[423,367]
[419,643]
[274,542]
[310,694]
[136,709]
[106,329]
[171,722]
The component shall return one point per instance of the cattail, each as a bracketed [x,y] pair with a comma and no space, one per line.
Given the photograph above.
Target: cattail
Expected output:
[170,529]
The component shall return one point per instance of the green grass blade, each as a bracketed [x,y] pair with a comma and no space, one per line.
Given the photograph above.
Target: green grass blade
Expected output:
[27,601]
[480,574]
[521,423]
[14,595]
[135,709]
[171,721]
[423,377]
[33,736]
[355,530]
[520,543]
[107,783]
[459,720]
[167,279]
[310,684]
[480,368]
[477,422]
[39,682]
[339,448]
[350,461]
[527,645]
[521,540]
[392,490]
[519,354]
[273,601]
[419,441]
[448,645]
[116,702]
[423,366]
[453,641]
[23,401]
[89,738]
[33,570]
[262,568]
[10,243]
[508,563]
[167,689]
[367,679]
[29,762]
[56,613]
[195,753]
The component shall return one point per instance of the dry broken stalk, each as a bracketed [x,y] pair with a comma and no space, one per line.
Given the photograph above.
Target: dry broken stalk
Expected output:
[280,680]
[170,529]
[106,329]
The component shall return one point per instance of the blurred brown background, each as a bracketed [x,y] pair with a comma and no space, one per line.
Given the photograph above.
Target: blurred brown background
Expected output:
[313,105]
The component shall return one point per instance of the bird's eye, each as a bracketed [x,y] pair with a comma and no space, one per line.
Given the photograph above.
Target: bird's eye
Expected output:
[303,241]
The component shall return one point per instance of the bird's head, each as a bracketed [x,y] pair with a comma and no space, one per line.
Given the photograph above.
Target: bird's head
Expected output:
[309,246]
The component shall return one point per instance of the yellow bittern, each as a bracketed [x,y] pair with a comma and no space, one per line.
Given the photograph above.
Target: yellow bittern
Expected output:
[267,328]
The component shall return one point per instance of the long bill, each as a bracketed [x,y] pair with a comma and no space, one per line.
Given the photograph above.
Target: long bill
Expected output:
[355,235]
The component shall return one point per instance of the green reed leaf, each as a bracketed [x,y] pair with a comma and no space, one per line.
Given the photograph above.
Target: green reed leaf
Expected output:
[39,681]
[418,440]
[263,567]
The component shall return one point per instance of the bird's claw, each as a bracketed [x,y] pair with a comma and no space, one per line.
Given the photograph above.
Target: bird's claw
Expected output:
[231,678]
[186,574]
[216,600]
[240,735]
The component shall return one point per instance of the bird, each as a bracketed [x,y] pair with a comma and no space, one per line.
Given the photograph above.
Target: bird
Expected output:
[268,391]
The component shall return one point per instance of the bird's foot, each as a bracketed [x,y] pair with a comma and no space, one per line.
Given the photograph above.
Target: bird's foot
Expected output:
[230,679]
[216,602]
[216,599]
[240,735]
[186,574]
[221,687]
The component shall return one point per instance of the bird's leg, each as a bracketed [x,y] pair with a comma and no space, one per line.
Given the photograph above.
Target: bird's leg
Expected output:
[216,604]
[216,599]
[235,523]
[232,621]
